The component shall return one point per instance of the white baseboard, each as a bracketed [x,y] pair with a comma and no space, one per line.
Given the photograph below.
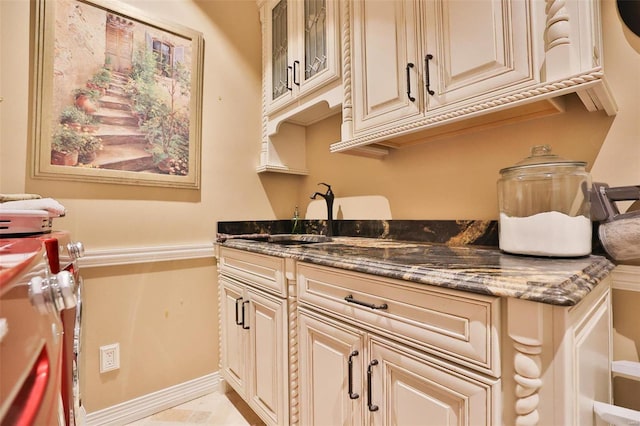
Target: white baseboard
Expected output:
[146,405]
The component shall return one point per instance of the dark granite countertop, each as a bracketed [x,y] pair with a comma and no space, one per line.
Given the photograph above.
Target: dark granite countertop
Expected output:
[467,267]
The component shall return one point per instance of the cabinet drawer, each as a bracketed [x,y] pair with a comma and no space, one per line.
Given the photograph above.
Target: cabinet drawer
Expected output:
[266,272]
[455,325]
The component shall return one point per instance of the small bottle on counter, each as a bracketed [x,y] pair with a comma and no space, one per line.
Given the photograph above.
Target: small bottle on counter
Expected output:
[295,222]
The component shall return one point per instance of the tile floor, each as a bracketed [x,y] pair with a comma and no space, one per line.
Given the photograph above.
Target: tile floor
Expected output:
[214,409]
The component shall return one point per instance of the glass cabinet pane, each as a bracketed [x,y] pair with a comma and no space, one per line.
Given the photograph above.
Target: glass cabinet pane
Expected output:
[279,43]
[315,37]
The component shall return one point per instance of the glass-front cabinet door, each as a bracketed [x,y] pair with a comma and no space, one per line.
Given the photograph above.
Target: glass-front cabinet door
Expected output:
[280,68]
[302,52]
[315,38]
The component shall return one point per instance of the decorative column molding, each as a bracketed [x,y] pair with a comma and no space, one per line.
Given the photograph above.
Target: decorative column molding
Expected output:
[525,321]
[292,324]
[557,41]
[527,364]
[557,25]
[264,149]
[347,101]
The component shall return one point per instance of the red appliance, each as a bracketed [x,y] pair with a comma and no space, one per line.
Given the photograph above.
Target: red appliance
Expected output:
[39,329]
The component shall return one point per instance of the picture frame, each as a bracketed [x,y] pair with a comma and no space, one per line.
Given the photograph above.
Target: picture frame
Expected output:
[117,96]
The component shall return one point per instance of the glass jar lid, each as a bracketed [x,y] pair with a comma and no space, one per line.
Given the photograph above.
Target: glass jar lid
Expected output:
[541,156]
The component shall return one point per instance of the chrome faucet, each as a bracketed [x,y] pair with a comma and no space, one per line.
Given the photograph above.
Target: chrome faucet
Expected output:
[328,197]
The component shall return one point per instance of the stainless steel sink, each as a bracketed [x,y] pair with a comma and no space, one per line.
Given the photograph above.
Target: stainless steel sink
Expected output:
[298,238]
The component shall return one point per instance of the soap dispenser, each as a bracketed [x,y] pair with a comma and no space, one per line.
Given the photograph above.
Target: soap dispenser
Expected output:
[295,222]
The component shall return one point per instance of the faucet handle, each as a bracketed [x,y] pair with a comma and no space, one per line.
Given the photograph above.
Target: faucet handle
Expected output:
[327,185]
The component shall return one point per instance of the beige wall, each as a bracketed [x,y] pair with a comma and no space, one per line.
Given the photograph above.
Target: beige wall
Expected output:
[163,314]
[456,178]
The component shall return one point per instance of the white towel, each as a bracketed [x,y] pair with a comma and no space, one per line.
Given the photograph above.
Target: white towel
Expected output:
[16,197]
[48,204]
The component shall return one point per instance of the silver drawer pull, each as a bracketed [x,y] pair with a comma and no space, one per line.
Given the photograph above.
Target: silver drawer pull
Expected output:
[350,299]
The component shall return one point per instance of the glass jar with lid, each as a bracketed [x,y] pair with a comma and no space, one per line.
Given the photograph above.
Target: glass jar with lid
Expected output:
[544,206]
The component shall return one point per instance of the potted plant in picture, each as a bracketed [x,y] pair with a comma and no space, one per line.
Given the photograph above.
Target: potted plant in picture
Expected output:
[89,147]
[100,80]
[77,119]
[86,99]
[65,146]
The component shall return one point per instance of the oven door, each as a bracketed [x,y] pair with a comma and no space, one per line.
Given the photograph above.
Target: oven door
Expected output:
[31,344]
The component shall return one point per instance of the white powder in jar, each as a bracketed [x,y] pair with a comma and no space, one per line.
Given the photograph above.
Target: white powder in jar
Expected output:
[545,234]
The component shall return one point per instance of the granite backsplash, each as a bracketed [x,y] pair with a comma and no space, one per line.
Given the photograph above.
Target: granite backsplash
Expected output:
[450,232]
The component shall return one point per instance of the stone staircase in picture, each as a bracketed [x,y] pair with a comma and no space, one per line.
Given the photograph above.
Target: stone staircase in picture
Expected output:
[123,142]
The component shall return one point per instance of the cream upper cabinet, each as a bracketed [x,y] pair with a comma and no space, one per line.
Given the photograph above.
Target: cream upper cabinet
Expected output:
[412,57]
[301,77]
[386,55]
[301,48]
[418,70]
[475,49]
[278,63]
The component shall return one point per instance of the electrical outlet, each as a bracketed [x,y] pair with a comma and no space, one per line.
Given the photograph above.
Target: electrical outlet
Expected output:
[109,357]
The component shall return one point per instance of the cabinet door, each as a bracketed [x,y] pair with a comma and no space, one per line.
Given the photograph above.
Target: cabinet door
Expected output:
[302,48]
[318,59]
[268,390]
[385,41]
[477,48]
[331,360]
[278,62]
[234,356]
[408,390]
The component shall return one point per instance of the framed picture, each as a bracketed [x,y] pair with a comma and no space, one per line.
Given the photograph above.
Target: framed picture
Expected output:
[117,96]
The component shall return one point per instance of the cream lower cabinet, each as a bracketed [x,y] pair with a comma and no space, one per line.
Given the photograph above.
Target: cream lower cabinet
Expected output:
[351,377]
[362,360]
[254,333]
[331,362]
[379,351]
[305,344]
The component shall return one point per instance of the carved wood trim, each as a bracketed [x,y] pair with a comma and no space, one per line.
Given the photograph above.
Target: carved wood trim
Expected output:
[292,326]
[264,149]
[538,92]
[527,365]
[526,330]
[557,27]
[347,103]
